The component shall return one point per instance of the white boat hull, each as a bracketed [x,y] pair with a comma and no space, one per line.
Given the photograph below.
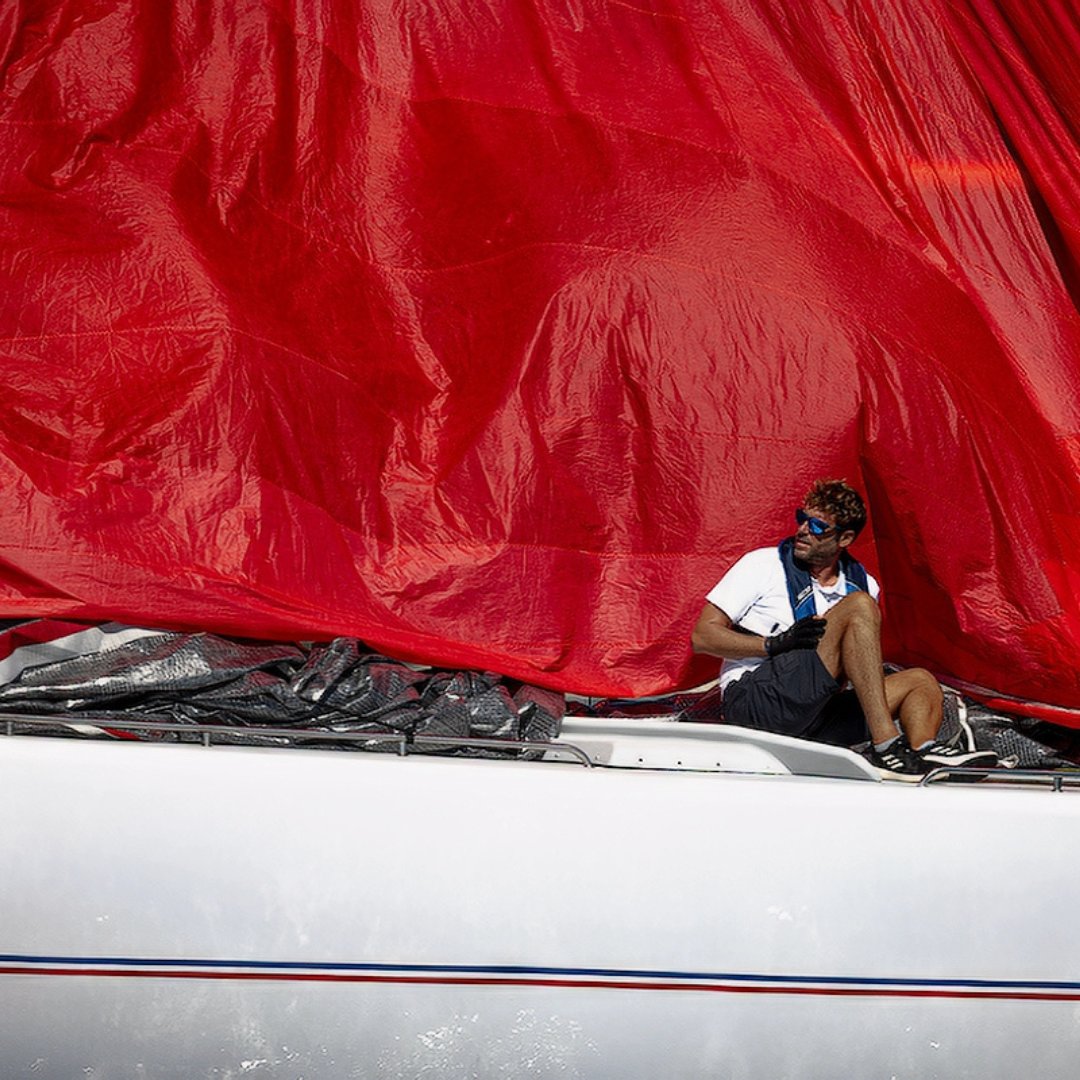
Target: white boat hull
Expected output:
[175,911]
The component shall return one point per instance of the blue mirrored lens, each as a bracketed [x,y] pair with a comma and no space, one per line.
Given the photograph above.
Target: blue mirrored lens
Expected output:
[815,525]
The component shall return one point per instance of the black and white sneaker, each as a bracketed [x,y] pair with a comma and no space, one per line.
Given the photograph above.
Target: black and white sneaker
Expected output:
[898,762]
[940,755]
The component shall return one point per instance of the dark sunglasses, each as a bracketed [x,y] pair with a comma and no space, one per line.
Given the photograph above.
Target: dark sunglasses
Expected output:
[816,526]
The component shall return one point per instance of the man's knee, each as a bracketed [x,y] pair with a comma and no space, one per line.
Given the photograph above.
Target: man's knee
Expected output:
[860,606]
[927,683]
[917,682]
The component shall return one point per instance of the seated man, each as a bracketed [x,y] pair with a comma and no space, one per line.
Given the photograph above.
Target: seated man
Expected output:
[794,624]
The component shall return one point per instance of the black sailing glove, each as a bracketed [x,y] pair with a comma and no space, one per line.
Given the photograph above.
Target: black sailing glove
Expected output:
[805,634]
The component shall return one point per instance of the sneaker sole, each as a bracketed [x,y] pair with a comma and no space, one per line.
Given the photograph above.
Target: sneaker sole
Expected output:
[977,759]
[902,777]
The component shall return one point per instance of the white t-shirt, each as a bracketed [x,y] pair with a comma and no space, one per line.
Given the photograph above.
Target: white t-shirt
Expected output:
[754,595]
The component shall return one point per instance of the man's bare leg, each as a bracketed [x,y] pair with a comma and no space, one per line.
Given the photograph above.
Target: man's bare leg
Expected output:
[851,650]
[914,696]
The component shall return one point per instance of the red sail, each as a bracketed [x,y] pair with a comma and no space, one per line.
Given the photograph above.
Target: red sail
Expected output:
[493,332]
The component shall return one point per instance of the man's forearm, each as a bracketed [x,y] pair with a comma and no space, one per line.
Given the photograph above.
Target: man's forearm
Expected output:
[727,643]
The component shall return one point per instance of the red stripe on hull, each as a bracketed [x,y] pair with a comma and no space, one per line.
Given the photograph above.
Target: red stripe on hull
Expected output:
[562,984]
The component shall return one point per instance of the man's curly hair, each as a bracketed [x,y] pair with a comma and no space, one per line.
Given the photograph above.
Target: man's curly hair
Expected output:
[841,501]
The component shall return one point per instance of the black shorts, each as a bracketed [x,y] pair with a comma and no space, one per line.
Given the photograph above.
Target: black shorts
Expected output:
[794,694]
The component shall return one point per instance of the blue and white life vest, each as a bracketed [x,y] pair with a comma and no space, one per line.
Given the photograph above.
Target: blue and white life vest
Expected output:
[800,584]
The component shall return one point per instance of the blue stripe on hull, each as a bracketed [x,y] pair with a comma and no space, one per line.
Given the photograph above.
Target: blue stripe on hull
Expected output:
[522,975]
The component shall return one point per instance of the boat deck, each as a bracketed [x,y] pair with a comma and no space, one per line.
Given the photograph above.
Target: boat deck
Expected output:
[645,743]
